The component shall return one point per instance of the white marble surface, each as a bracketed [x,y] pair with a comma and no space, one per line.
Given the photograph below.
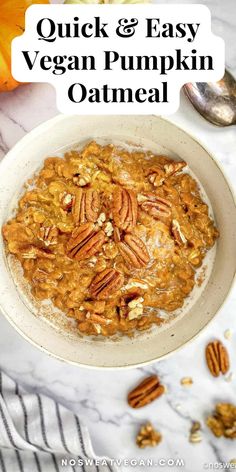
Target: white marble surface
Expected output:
[98,396]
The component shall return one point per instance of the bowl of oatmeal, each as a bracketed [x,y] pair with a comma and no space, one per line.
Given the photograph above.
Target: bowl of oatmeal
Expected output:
[117,246]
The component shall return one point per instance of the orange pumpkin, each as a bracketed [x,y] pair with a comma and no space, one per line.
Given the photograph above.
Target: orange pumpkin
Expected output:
[12,21]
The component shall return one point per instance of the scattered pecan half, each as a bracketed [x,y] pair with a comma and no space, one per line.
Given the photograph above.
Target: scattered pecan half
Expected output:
[125,208]
[147,391]
[106,283]
[148,436]
[177,233]
[217,358]
[134,251]
[86,206]
[155,206]
[85,241]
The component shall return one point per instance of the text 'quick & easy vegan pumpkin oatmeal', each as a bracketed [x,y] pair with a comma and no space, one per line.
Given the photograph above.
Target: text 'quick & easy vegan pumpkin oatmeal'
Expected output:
[111,237]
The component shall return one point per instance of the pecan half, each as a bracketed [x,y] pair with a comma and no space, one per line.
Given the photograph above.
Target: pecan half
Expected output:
[147,391]
[155,206]
[86,206]
[85,241]
[177,233]
[125,208]
[134,251]
[106,283]
[217,358]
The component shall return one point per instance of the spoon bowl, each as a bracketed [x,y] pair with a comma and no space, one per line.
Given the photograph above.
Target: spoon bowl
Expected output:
[215,101]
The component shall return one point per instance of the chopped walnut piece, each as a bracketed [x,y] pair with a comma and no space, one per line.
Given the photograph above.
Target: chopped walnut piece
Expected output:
[223,421]
[48,235]
[173,167]
[81,181]
[108,229]
[101,219]
[135,302]
[135,313]
[97,327]
[67,201]
[135,284]
[135,307]
[156,176]
[148,436]
[92,261]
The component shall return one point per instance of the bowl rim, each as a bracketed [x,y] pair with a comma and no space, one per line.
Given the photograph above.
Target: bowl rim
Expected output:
[33,134]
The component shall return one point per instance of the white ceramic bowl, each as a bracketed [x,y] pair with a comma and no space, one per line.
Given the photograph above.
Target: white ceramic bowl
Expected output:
[152,133]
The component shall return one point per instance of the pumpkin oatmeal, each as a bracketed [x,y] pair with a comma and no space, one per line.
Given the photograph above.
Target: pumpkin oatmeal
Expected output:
[108,234]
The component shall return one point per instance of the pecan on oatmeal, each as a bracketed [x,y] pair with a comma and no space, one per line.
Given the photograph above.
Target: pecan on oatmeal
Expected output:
[111,237]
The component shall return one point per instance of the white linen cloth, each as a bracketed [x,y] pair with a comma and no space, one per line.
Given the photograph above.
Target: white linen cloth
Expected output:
[37,434]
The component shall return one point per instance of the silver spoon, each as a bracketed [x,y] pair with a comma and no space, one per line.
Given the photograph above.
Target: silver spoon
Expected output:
[216,101]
